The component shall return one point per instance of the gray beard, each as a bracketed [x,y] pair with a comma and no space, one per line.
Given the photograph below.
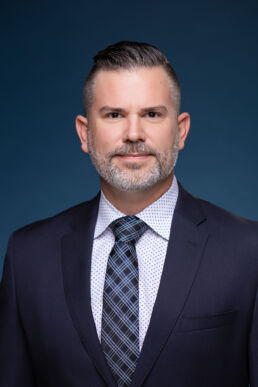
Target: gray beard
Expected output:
[131,177]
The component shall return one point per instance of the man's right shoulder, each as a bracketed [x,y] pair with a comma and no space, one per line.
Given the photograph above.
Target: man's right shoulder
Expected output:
[56,224]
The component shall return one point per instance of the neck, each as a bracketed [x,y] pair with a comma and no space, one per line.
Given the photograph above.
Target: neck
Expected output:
[133,202]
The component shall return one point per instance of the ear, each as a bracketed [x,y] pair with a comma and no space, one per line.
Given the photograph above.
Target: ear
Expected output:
[183,127]
[81,124]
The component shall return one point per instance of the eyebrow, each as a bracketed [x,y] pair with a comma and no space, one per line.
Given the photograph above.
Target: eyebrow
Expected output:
[106,108]
[154,109]
[110,108]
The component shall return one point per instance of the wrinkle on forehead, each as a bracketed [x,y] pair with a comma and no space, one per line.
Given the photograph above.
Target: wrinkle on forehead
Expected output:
[144,87]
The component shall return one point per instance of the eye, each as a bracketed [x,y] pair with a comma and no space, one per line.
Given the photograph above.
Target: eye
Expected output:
[113,115]
[153,114]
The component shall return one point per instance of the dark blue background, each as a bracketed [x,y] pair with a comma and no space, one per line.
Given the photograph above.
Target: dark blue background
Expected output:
[46,53]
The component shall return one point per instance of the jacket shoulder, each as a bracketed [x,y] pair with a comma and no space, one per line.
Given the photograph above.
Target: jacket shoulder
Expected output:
[219,214]
[217,220]
[240,232]
[57,223]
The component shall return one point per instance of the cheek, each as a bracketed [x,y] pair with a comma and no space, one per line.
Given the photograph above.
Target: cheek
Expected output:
[162,138]
[105,140]
[109,135]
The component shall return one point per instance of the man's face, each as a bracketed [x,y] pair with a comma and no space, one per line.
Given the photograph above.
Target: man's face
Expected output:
[132,135]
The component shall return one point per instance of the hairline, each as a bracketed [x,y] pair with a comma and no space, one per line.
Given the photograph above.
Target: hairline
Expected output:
[91,83]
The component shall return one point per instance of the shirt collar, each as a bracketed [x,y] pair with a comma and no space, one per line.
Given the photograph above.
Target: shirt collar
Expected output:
[158,215]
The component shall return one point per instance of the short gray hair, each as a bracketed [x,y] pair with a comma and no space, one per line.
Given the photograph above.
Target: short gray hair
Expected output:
[129,55]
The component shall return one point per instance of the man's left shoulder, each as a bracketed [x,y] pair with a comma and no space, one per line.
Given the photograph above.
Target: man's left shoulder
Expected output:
[231,225]
[215,216]
[221,214]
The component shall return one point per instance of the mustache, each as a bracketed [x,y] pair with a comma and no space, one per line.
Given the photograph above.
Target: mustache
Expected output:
[136,147]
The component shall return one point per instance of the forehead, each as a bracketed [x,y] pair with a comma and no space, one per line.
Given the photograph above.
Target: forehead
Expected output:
[143,86]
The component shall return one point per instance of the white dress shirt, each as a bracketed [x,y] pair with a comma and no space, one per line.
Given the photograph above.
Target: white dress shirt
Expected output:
[151,251]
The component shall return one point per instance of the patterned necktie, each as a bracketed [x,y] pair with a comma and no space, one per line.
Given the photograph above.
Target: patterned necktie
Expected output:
[120,317]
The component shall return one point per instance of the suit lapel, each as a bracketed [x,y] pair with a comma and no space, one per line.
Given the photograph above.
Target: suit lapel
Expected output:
[76,264]
[184,253]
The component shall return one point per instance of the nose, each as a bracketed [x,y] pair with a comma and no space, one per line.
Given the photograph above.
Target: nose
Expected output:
[134,131]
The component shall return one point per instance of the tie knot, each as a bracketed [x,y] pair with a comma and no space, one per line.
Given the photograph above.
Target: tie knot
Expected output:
[128,229]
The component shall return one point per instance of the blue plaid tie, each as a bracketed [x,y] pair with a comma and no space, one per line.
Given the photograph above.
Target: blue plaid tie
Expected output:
[120,317]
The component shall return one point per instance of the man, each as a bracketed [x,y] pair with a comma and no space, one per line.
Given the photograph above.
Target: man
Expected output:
[144,285]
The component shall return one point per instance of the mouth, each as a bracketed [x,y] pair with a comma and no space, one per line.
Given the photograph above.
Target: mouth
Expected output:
[134,156]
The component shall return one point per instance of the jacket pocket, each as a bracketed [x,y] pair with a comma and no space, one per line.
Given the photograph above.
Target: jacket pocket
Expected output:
[207,322]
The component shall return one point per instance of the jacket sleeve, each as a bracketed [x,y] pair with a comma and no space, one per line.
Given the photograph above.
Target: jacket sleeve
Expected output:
[15,365]
[253,347]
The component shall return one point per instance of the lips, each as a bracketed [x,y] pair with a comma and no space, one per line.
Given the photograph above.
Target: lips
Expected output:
[134,155]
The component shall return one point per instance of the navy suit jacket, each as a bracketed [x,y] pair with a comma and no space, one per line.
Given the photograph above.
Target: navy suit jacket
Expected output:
[204,326]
